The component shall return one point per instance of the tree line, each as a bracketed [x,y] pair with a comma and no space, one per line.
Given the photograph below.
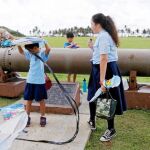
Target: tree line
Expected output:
[86,31]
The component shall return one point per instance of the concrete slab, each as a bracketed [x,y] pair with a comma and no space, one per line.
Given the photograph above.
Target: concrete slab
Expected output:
[12,88]
[59,128]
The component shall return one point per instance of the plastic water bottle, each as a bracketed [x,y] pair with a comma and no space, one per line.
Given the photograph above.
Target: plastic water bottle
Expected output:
[84,86]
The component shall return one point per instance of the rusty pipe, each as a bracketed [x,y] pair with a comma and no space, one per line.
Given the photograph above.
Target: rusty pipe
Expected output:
[65,60]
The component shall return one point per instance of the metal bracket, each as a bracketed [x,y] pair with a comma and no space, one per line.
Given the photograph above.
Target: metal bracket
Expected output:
[133,80]
[7,75]
[2,75]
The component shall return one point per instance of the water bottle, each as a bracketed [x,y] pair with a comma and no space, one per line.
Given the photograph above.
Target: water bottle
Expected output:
[84,86]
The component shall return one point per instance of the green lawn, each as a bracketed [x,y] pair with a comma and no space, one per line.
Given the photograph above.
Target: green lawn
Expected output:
[7,101]
[63,77]
[133,132]
[59,41]
[130,42]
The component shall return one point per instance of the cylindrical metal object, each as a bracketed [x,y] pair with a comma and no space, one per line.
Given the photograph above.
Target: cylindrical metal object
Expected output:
[65,60]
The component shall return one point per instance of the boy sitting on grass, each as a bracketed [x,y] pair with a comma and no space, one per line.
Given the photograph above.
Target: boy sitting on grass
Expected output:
[35,84]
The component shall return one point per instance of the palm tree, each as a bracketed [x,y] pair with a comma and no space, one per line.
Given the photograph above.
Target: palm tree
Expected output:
[148,32]
[38,32]
[75,30]
[89,29]
[71,29]
[30,32]
[36,28]
[122,32]
[59,32]
[33,31]
[50,32]
[137,31]
[144,32]
[128,30]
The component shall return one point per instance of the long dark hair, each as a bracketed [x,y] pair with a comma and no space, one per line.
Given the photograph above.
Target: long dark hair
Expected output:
[108,24]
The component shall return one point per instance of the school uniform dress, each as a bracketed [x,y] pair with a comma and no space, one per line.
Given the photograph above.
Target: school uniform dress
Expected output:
[35,84]
[105,45]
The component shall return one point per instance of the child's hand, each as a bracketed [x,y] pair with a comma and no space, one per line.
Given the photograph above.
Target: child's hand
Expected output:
[76,45]
[90,44]
[48,49]
[103,89]
[20,49]
[45,42]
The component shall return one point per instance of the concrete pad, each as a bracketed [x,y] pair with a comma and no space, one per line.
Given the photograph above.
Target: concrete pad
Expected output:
[59,128]
[12,88]
[84,107]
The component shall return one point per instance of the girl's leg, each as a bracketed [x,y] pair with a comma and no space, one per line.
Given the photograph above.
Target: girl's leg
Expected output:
[28,110]
[28,106]
[91,122]
[92,107]
[42,110]
[42,107]
[110,132]
[110,124]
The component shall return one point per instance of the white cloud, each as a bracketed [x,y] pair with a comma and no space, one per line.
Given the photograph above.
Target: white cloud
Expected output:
[51,14]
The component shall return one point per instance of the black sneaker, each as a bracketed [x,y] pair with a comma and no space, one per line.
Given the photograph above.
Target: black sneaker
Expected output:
[28,122]
[108,135]
[92,125]
[43,121]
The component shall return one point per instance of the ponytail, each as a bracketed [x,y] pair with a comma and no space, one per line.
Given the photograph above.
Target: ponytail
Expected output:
[107,23]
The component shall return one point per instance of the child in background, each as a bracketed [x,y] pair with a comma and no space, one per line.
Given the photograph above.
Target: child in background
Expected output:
[5,38]
[90,43]
[71,44]
[5,35]
[35,84]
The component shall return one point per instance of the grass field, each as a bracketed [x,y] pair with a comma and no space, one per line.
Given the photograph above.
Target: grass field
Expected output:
[133,131]
[6,101]
[130,42]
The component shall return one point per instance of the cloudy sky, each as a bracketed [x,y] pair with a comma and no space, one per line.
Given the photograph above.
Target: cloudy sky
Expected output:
[23,15]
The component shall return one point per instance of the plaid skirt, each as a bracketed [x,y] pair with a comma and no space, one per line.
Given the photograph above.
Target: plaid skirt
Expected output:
[117,93]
